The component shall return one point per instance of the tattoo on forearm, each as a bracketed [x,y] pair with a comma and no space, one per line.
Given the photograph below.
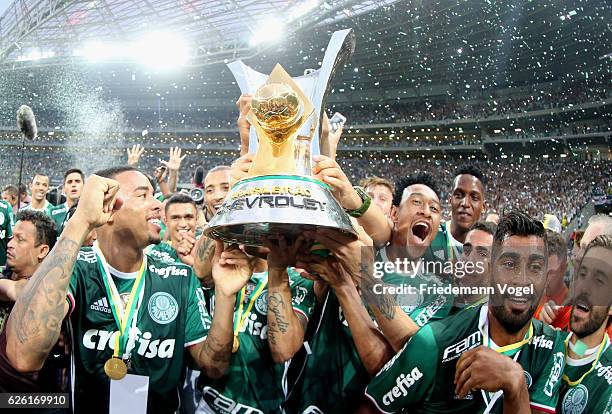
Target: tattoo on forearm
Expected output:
[205,248]
[37,316]
[385,303]
[216,353]
[277,324]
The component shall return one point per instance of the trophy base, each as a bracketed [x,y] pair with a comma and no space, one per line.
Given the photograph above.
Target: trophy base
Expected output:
[263,206]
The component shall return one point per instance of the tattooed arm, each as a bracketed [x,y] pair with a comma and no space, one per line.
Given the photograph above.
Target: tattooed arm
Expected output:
[35,321]
[202,264]
[286,328]
[351,261]
[231,270]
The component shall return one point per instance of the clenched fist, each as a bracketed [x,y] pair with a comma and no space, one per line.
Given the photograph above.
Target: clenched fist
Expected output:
[98,201]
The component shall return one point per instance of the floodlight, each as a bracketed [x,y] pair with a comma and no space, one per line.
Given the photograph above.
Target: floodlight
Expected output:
[268,30]
[161,50]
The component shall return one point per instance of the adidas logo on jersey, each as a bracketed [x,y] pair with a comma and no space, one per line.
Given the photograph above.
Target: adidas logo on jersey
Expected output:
[101,305]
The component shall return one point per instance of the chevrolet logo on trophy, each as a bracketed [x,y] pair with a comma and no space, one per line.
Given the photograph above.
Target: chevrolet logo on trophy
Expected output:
[279,195]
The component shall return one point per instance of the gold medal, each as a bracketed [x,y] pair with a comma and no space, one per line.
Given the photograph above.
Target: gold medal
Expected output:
[115,368]
[235,345]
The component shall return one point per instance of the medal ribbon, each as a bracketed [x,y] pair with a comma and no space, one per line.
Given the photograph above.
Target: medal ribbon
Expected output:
[240,317]
[127,317]
[511,349]
[602,346]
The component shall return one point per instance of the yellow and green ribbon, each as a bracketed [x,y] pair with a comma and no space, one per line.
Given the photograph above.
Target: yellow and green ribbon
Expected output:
[240,316]
[123,317]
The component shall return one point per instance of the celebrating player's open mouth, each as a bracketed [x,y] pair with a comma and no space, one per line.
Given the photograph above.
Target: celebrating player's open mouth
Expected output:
[419,232]
[582,308]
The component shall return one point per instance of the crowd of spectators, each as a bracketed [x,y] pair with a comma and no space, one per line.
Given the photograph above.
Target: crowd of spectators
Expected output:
[559,186]
[479,106]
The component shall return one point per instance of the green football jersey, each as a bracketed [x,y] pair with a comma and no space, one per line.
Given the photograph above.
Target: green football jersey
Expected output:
[416,298]
[592,395]
[45,209]
[7,222]
[254,383]
[172,317]
[444,247]
[420,377]
[165,252]
[333,378]
[58,215]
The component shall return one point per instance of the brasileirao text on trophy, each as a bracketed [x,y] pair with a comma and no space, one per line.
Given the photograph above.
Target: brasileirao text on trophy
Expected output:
[279,195]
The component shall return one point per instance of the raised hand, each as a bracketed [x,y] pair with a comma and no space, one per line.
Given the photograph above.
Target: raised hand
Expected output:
[134,154]
[231,269]
[186,248]
[549,312]
[282,255]
[98,201]
[244,106]
[328,171]
[175,159]
[352,255]
[240,167]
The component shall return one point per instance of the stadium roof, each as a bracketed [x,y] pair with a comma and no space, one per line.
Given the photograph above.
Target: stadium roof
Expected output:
[405,48]
[216,30]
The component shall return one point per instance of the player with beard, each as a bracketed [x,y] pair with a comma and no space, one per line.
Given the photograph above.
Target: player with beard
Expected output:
[559,315]
[180,219]
[91,285]
[476,250]
[467,200]
[39,187]
[587,378]
[487,358]
[74,180]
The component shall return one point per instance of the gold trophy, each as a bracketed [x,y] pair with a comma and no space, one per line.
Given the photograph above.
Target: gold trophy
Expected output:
[279,195]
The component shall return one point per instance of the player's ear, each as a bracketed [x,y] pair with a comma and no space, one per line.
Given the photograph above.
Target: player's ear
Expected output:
[43,251]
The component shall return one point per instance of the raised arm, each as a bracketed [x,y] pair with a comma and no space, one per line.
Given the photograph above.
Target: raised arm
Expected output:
[395,324]
[10,289]
[352,260]
[244,105]
[286,328]
[174,165]
[373,220]
[35,321]
[202,260]
[231,270]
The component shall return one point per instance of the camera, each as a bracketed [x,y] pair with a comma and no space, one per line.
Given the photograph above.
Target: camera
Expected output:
[197,194]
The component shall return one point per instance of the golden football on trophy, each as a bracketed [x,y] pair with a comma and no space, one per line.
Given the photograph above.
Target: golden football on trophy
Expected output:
[278,109]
